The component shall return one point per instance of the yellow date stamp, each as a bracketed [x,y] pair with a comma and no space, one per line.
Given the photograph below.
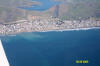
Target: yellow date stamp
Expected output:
[81,61]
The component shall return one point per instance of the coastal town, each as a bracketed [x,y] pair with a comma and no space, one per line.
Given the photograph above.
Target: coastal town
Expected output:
[41,24]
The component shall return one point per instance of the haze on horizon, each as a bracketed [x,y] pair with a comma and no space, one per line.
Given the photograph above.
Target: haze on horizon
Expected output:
[70,9]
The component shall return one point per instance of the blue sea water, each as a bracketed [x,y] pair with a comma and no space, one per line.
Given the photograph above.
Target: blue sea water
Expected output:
[53,48]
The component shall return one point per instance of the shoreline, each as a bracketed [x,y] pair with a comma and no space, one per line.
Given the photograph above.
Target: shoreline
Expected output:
[72,29]
[47,25]
[64,30]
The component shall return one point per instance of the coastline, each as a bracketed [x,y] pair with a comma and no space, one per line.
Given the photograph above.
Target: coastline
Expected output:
[47,25]
[56,31]
[71,29]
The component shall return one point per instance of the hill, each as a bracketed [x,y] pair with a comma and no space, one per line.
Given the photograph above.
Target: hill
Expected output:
[69,9]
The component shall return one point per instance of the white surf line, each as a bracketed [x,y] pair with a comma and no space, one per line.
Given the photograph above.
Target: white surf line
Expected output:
[3,58]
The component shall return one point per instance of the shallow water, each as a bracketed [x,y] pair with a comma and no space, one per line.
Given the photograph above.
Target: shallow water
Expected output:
[44,5]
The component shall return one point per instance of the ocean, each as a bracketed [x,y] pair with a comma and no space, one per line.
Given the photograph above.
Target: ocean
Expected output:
[53,48]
